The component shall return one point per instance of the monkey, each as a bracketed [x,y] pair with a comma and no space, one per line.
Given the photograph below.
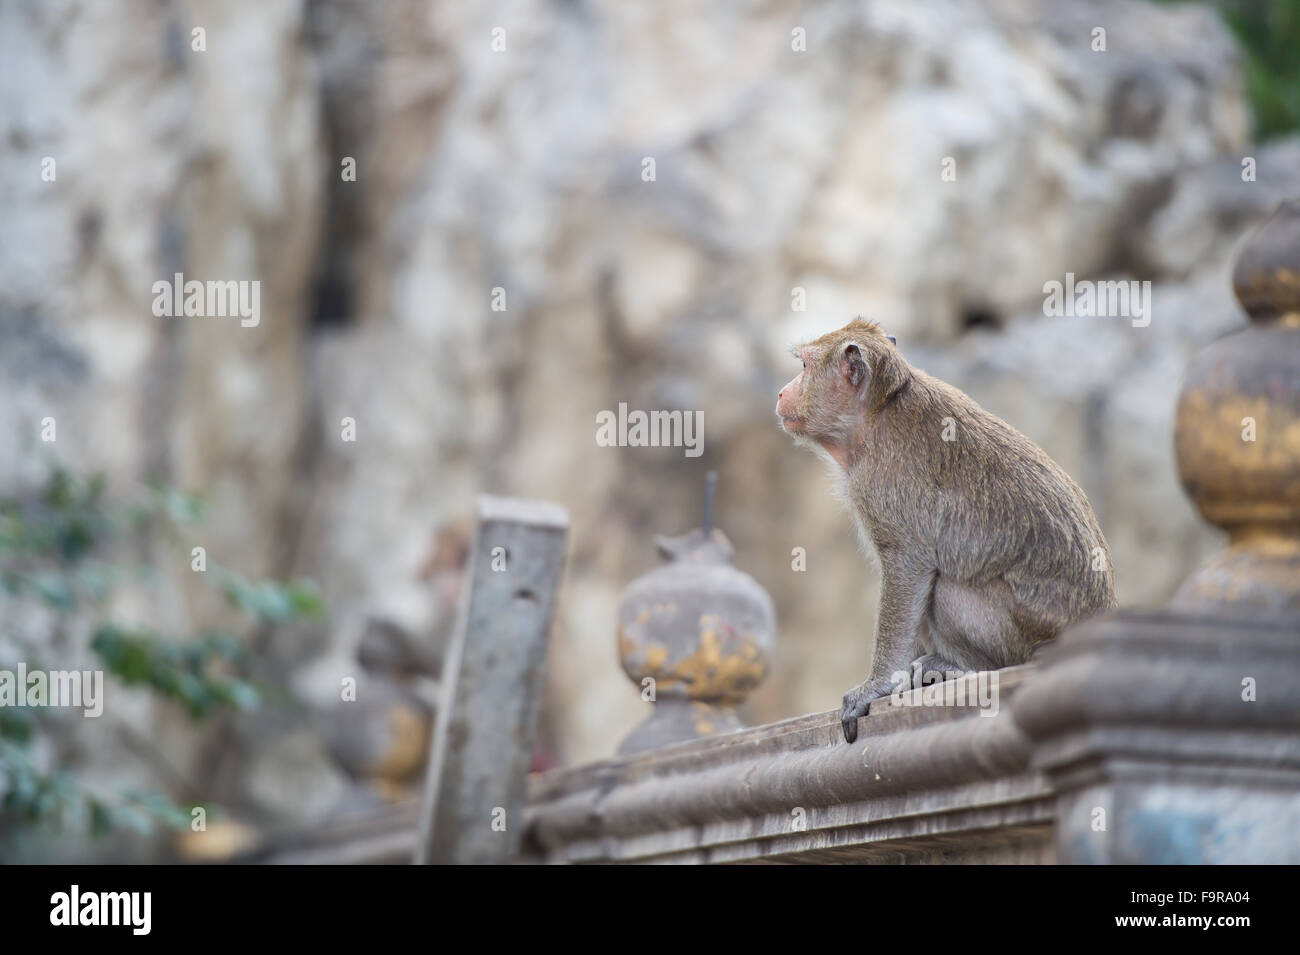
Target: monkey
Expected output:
[987,548]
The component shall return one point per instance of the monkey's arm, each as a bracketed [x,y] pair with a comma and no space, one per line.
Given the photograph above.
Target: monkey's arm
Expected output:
[905,591]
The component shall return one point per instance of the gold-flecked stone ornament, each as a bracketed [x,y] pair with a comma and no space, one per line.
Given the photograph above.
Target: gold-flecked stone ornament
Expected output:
[694,635]
[1237,434]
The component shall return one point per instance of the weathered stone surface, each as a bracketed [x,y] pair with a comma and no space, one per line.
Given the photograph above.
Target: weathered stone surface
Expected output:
[1171,739]
[698,632]
[920,784]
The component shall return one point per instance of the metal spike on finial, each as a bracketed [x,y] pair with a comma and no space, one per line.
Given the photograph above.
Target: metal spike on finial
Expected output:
[710,486]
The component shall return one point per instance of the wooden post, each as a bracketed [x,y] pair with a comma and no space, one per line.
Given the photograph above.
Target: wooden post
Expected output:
[486,723]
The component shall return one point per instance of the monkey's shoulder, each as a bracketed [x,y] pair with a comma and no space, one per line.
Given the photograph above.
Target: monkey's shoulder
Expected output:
[964,427]
[974,454]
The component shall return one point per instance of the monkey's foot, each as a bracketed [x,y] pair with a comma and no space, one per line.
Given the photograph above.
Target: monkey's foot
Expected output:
[856,703]
[932,668]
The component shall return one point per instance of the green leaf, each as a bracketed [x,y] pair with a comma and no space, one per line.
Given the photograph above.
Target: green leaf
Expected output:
[273,602]
[17,723]
[306,598]
[101,818]
[160,807]
[237,693]
[182,507]
[54,590]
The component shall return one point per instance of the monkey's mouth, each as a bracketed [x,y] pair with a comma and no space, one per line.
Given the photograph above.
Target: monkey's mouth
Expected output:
[792,425]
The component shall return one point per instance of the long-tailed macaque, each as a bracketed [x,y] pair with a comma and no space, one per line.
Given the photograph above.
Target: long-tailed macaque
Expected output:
[986,547]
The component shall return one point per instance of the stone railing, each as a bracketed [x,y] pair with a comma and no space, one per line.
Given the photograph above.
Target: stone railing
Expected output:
[1169,736]
[920,784]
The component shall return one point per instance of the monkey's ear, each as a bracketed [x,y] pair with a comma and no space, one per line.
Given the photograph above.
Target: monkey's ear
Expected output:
[892,340]
[889,376]
[855,366]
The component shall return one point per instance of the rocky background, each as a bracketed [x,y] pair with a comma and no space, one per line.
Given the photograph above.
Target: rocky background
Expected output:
[780,174]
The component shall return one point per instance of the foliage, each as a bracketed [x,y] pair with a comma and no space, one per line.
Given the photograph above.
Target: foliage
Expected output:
[61,551]
[1268,33]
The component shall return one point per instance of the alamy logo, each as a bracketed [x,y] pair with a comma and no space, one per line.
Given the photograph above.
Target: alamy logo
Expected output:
[195,299]
[966,688]
[84,688]
[1088,299]
[651,429]
[102,908]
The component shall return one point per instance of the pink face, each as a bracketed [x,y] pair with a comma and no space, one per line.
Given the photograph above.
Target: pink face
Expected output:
[788,400]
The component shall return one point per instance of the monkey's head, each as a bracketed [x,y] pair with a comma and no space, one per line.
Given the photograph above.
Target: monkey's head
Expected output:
[847,377]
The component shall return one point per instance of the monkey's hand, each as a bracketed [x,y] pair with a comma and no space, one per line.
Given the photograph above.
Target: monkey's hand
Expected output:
[857,701]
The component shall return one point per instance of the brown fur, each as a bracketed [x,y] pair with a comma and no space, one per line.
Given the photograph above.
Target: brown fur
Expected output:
[986,546]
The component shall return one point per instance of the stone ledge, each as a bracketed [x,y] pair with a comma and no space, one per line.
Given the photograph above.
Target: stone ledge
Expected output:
[920,784]
[1132,740]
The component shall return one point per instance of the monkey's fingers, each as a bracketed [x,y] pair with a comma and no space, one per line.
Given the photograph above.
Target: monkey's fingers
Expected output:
[856,702]
[850,725]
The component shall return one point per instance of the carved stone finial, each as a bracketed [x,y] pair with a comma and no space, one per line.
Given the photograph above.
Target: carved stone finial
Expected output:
[701,630]
[1237,433]
[1267,276]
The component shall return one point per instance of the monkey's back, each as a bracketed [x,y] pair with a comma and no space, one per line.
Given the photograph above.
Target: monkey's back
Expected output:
[1002,508]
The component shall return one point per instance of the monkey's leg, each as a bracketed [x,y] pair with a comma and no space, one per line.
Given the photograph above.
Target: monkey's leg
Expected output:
[931,668]
[974,625]
[904,598]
